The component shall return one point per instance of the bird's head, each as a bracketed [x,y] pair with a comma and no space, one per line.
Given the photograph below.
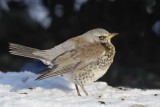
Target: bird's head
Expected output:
[99,35]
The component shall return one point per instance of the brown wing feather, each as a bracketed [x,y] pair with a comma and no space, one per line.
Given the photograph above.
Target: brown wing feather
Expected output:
[50,72]
[73,59]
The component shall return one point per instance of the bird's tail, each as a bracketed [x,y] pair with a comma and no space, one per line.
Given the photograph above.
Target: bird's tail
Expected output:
[24,51]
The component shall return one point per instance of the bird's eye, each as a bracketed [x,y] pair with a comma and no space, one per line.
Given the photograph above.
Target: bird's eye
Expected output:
[102,37]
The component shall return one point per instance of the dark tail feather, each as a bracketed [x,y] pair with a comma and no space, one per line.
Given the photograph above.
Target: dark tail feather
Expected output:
[50,73]
[24,51]
[45,71]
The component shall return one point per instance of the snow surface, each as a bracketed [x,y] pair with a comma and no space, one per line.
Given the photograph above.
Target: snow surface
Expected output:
[20,90]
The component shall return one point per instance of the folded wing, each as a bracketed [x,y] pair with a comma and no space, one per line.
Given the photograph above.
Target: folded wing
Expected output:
[74,59]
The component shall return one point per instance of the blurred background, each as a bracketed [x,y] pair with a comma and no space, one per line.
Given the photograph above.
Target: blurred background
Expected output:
[45,23]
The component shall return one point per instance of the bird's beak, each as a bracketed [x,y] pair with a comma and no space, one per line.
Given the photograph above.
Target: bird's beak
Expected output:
[111,35]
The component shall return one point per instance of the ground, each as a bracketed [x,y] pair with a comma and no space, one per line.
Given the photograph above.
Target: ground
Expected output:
[21,89]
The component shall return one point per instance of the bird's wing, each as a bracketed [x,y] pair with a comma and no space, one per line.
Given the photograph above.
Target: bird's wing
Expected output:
[54,52]
[76,58]
[46,56]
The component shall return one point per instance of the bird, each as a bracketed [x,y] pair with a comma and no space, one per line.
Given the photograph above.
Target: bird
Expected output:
[82,59]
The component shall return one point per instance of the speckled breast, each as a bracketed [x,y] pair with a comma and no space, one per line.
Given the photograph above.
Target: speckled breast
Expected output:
[91,72]
[94,70]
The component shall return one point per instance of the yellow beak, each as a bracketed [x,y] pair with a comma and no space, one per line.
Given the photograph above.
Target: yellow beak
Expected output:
[111,35]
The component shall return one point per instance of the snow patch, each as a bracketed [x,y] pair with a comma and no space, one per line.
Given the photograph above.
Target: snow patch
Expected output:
[20,89]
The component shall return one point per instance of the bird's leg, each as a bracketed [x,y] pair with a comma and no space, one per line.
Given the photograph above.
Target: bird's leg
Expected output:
[77,90]
[82,87]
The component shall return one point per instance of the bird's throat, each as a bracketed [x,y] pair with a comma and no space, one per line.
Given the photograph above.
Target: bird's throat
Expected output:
[109,47]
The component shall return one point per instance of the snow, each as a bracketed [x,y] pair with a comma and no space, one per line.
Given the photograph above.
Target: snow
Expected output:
[20,89]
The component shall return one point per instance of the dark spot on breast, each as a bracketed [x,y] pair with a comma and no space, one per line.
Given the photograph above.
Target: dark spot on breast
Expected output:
[93,75]
[87,76]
